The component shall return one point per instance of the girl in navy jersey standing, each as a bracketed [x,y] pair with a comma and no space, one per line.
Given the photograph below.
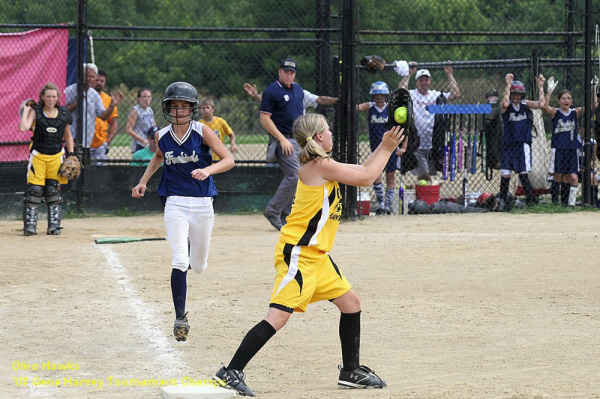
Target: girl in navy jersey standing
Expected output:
[186,189]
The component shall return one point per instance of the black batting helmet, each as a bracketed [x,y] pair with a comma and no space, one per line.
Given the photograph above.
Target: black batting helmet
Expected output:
[179,91]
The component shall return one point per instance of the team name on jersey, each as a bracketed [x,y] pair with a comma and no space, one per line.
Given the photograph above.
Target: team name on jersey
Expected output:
[378,119]
[563,126]
[182,158]
[517,118]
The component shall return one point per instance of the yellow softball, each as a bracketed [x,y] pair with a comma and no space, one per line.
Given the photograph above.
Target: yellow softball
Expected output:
[400,115]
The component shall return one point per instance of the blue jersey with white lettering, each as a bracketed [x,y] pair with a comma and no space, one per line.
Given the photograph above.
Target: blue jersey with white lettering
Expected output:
[564,134]
[376,118]
[283,104]
[517,124]
[181,157]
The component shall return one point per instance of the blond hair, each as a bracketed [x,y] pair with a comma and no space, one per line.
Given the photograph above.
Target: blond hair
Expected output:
[305,128]
[49,86]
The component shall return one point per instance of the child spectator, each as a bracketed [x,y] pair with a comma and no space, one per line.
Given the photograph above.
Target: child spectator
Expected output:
[216,124]
[146,153]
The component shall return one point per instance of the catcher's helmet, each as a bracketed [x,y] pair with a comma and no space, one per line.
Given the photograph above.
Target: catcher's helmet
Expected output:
[179,91]
[518,87]
[379,87]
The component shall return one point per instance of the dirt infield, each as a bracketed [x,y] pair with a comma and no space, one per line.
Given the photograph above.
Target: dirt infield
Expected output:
[454,306]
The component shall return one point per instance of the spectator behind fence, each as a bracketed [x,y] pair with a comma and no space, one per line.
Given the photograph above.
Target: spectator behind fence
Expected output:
[516,146]
[422,96]
[141,118]
[92,105]
[377,117]
[216,124]
[146,153]
[50,124]
[281,105]
[105,130]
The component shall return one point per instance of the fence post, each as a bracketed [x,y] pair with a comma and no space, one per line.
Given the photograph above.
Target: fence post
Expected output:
[348,126]
[588,105]
[79,148]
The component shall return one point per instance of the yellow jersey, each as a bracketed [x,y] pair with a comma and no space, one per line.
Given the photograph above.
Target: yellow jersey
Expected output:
[221,129]
[315,216]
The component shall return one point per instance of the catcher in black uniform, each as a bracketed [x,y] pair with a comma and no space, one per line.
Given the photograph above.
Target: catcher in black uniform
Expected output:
[50,125]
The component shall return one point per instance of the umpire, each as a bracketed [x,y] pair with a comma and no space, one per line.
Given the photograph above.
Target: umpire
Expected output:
[281,105]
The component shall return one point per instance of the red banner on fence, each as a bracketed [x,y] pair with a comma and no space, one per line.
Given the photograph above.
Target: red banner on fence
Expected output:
[28,60]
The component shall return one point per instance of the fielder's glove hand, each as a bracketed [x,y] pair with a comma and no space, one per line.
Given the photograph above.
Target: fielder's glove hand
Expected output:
[70,168]
[400,110]
[374,63]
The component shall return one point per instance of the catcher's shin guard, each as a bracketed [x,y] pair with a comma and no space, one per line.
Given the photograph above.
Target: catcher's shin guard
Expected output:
[31,207]
[53,200]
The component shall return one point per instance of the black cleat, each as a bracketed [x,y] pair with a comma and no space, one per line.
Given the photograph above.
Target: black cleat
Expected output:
[181,328]
[361,377]
[234,380]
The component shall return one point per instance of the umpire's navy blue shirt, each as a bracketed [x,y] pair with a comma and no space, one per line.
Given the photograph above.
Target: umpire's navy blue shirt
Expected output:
[283,104]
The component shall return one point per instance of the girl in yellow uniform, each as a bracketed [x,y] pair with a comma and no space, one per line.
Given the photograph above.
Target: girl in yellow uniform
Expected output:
[50,124]
[305,271]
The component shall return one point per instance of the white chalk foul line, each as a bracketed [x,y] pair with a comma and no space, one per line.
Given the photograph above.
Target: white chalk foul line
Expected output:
[165,353]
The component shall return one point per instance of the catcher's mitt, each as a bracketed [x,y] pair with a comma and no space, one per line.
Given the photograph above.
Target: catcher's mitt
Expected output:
[70,168]
[374,63]
[400,110]
[29,102]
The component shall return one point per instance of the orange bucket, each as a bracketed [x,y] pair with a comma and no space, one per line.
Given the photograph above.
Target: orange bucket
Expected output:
[429,194]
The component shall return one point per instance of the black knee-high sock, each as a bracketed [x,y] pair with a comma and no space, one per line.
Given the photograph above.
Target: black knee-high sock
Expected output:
[555,191]
[564,193]
[594,195]
[254,340]
[178,289]
[526,183]
[350,339]
[504,183]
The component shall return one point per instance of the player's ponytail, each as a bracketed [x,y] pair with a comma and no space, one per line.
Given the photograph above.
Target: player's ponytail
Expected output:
[305,128]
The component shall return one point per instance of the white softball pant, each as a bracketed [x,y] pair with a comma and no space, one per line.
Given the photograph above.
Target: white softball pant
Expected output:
[191,217]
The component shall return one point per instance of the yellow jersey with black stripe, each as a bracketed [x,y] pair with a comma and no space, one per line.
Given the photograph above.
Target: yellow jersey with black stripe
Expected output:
[315,216]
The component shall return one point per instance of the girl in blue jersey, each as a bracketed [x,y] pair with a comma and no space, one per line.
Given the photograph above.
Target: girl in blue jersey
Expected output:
[377,116]
[305,272]
[565,142]
[186,189]
[516,146]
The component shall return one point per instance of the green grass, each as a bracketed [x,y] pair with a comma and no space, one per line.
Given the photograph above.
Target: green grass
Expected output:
[548,208]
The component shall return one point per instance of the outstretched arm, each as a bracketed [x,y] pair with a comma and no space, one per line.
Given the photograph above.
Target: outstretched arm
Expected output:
[541,102]
[454,90]
[412,68]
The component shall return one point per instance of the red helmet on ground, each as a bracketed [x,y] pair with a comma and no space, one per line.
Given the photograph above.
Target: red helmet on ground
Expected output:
[518,87]
[488,201]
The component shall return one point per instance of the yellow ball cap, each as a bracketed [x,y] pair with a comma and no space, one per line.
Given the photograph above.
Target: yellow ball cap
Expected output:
[400,115]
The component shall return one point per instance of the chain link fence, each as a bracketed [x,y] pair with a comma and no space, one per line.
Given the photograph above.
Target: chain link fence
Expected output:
[219,46]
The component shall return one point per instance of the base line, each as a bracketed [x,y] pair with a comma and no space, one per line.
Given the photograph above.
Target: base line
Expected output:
[164,353]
